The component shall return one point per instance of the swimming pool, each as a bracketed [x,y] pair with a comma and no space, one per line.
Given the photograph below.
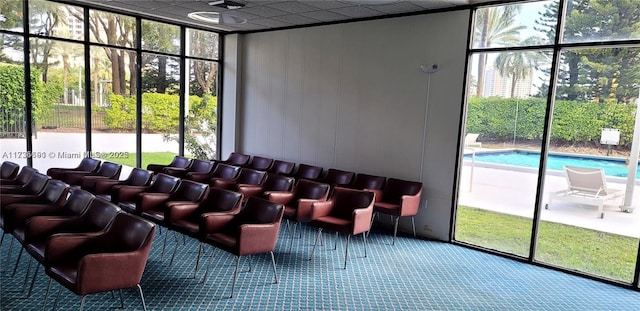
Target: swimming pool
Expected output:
[611,166]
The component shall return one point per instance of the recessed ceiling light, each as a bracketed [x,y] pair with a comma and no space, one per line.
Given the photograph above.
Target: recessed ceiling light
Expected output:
[227,4]
[216,18]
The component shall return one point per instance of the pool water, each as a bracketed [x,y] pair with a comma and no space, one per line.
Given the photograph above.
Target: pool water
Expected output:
[612,167]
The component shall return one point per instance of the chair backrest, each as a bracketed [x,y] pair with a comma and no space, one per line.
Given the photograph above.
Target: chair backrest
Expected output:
[139,177]
[25,174]
[338,178]
[78,201]
[189,191]
[237,159]
[364,181]
[127,233]
[470,138]
[56,191]
[306,171]
[396,188]
[99,214]
[180,162]
[9,170]
[276,182]
[260,163]
[163,183]
[220,200]
[307,189]
[251,177]
[225,171]
[201,166]
[89,165]
[282,167]
[110,170]
[586,179]
[346,200]
[36,184]
[258,211]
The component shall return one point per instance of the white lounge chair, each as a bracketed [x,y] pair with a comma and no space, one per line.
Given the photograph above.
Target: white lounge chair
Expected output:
[470,140]
[586,186]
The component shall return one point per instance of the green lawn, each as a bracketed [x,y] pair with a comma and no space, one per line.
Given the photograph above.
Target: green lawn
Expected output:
[147,158]
[591,251]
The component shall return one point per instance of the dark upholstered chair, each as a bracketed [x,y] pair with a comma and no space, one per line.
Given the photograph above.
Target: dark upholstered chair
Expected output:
[222,171]
[272,182]
[113,260]
[153,206]
[15,216]
[349,211]
[34,186]
[197,166]
[338,178]
[399,198]
[126,196]
[237,159]
[252,231]
[187,218]
[297,203]
[178,161]
[54,191]
[38,229]
[310,172]
[245,177]
[137,177]
[260,163]
[108,170]
[368,182]
[282,167]
[90,165]
[8,170]
[22,178]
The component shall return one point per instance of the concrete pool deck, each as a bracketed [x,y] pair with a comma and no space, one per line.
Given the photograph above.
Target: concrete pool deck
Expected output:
[513,192]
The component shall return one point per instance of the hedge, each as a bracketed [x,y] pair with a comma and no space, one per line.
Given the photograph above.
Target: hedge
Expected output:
[573,121]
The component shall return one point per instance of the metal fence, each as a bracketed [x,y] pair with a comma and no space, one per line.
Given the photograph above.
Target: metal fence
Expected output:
[12,123]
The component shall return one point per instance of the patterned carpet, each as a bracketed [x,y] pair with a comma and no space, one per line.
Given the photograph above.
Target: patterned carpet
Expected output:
[412,275]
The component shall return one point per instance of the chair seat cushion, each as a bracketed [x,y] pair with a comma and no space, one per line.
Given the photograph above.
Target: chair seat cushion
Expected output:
[66,274]
[128,207]
[154,215]
[289,212]
[387,208]
[221,240]
[36,250]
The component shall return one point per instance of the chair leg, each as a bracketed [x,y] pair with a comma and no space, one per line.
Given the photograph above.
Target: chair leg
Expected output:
[55,302]
[144,306]
[364,238]
[46,295]
[195,270]
[250,259]
[275,273]
[413,225]
[293,234]
[15,268]
[315,243]
[335,242]
[395,230]
[26,275]
[174,250]
[82,302]
[6,262]
[206,274]
[121,299]
[164,245]
[33,281]
[2,238]
[235,275]
[346,253]
[373,218]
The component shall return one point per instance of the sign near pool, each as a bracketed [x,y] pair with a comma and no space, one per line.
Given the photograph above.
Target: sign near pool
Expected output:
[610,136]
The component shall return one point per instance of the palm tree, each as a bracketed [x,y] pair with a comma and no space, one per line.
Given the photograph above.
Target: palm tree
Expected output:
[519,64]
[494,26]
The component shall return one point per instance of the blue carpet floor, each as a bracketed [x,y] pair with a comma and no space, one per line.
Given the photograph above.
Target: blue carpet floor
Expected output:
[412,275]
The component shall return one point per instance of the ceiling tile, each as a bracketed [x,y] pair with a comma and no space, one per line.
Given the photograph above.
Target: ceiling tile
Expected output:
[292,7]
[270,23]
[397,8]
[327,5]
[357,11]
[324,16]
[296,19]
[263,11]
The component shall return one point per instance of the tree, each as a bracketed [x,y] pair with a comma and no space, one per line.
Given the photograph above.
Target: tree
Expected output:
[519,64]
[494,26]
[159,37]
[204,44]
